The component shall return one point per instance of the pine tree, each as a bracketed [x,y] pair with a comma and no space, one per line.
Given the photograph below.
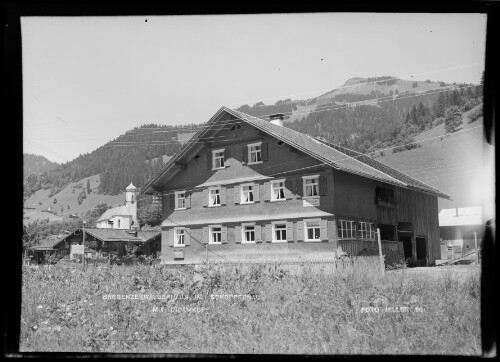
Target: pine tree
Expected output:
[88,186]
[453,119]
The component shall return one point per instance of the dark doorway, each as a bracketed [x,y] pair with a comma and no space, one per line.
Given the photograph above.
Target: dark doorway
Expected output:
[421,243]
[387,232]
[406,239]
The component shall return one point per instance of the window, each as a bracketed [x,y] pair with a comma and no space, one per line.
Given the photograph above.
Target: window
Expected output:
[384,197]
[215,235]
[312,230]
[119,223]
[180,200]
[346,229]
[179,236]
[218,159]
[311,186]
[279,232]
[255,153]
[277,190]
[214,196]
[249,233]
[247,196]
[366,230]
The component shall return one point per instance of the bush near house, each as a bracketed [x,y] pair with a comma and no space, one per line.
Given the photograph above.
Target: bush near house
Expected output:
[285,313]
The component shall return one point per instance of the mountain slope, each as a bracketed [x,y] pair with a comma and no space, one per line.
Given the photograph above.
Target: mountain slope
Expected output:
[35,164]
[451,163]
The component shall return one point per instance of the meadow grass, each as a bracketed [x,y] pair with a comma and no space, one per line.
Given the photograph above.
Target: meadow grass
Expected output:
[307,312]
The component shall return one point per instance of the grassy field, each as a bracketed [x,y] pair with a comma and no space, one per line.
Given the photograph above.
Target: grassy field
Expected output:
[64,309]
[452,164]
[68,196]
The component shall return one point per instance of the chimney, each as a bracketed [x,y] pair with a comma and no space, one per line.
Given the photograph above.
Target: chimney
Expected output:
[277,119]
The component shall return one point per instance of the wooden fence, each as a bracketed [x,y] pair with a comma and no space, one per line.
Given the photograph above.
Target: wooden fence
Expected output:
[357,247]
[294,266]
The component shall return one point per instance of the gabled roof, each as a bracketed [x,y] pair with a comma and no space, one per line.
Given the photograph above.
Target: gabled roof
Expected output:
[115,211]
[50,242]
[461,216]
[121,235]
[335,156]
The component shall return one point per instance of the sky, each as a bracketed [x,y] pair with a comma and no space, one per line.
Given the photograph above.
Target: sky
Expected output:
[87,80]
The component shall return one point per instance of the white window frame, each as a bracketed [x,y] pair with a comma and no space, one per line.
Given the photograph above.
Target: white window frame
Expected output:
[210,189]
[242,193]
[258,152]
[273,229]
[366,230]
[304,183]
[214,158]
[243,231]
[176,234]
[306,228]
[177,198]
[272,199]
[352,231]
[210,235]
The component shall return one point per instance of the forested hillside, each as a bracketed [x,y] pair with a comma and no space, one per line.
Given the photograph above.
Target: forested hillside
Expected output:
[35,164]
[118,162]
[367,114]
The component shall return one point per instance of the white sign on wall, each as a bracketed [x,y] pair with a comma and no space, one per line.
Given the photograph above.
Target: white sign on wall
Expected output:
[76,249]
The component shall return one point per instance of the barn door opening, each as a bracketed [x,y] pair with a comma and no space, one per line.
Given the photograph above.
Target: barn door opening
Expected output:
[405,238]
[421,248]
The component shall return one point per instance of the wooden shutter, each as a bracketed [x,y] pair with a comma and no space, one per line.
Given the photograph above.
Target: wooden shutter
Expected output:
[244,154]
[299,189]
[332,230]
[289,231]
[258,234]
[187,237]
[224,235]
[267,191]
[323,234]
[288,189]
[209,160]
[265,151]
[237,194]
[268,233]
[205,235]
[171,237]
[300,230]
[237,234]
[187,195]
[205,197]
[227,156]
[323,185]
[222,195]
[172,201]
[256,192]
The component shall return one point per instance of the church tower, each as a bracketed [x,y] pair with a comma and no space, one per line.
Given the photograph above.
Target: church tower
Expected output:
[131,202]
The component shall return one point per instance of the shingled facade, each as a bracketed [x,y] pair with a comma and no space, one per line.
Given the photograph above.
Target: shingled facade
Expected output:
[244,187]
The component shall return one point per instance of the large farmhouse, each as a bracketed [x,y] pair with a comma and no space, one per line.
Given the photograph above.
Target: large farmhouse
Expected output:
[244,187]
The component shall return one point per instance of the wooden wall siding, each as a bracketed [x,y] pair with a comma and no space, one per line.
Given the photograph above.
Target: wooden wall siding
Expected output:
[421,210]
[460,232]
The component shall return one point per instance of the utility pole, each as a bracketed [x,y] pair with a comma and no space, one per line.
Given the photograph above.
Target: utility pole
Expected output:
[83,243]
[477,252]
[380,252]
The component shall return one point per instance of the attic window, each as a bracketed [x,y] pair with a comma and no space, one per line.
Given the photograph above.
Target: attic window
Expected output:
[279,143]
[384,197]
[235,127]
[196,157]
